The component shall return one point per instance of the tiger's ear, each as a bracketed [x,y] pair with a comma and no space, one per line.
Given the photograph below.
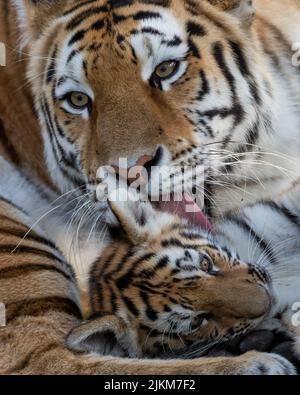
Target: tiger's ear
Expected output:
[105,335]
[35,15]
[242,9]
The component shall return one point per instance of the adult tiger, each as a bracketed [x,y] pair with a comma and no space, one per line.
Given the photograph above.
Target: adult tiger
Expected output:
[120,78]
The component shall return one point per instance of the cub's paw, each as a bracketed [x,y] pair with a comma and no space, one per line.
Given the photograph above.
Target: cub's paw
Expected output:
[261,364]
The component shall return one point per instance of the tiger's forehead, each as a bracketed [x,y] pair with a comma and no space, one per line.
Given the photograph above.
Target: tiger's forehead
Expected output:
[124,33]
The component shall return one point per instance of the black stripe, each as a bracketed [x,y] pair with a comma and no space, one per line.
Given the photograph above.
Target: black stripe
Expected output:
[236,110]
[244,70]
[21,270]
[95,277]
[113,300]
[218,53]
[151,314]
[98,271]
[124,281]
[205,88]
[23,249]
[14,206]
[151,272]
[40,306]
[8,146]
[131,306]
[141,15]
[175,42]
[159,3]
[189,236]
[193,48]
[120,3]
[78,19]
[70,57]
[151,30]
[263,244]
[52,135]
[77,37]
[30,236]
[252,135]
[123,261]
[207,129]
[194,29]
[173,242]
[77,6]
[118,18]
[283,210]
[163,262]
[295,219]
[51,69]
[81,33]
[150,288]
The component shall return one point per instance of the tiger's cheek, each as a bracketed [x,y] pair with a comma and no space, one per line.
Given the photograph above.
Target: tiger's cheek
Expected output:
[75,127]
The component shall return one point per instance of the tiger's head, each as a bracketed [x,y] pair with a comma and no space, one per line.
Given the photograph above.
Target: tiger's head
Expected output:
[116,79]
[166,287]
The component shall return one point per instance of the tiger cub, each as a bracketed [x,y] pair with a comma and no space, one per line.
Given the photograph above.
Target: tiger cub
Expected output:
[168,286]
[40,304]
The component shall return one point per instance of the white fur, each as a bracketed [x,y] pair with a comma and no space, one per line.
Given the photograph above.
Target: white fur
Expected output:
[283,238]
[151,51]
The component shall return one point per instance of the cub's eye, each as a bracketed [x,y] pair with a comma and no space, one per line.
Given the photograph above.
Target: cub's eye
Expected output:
[206,264]
[166,69]
[78,100]
[200,320]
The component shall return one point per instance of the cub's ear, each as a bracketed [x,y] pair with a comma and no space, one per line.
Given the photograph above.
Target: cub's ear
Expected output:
[243,9]
[105,335]
[137,220]
[35,15]
[133,217]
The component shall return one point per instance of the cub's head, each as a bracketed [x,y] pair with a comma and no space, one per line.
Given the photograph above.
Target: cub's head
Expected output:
[117,78]
[167,286]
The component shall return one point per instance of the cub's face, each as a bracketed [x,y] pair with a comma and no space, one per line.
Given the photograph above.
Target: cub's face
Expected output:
[175,288]
[116,79]
[180,290]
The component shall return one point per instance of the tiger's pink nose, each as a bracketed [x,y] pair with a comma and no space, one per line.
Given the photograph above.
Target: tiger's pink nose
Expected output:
[137,171]
[143,160]
[142,167]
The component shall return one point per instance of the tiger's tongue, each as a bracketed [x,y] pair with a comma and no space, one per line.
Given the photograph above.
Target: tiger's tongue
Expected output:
[188,209]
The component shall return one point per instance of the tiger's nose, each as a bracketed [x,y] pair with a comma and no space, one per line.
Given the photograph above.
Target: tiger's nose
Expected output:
[142,167]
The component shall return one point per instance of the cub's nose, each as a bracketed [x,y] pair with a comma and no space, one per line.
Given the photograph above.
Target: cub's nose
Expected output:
[258,274]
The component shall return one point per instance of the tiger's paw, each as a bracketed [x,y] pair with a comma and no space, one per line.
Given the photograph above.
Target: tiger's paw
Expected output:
[262,364]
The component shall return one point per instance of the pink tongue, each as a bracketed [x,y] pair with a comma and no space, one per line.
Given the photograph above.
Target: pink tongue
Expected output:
[188,209]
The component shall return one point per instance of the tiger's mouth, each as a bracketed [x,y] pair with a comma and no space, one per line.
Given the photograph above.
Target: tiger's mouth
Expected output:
[185,207]
[150,170]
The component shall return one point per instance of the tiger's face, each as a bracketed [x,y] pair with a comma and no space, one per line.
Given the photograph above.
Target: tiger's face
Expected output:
[175,289]
[117,79]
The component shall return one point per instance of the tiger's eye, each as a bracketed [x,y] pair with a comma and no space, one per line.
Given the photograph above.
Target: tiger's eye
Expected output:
[79,100]
[166,69]
[206,265]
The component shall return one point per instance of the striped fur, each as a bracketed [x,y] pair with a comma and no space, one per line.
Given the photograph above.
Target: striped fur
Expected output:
[170,304]
[42,306]
[225,102]
[231,106]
